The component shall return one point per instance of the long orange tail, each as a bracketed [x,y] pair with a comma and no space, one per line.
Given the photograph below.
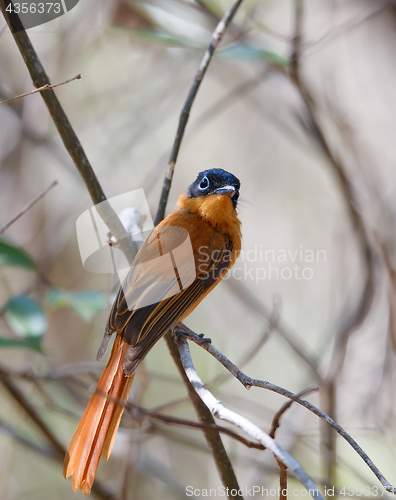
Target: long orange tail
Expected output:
[98,426]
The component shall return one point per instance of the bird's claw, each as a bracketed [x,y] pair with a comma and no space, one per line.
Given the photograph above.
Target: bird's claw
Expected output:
[199,337]
[196,337]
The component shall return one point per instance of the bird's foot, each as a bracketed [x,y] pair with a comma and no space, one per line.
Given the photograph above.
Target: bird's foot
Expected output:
[181,329]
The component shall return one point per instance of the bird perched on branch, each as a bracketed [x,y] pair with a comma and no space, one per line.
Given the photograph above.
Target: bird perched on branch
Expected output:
[181,261]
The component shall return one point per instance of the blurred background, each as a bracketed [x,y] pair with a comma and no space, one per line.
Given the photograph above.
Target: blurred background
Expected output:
[298,103]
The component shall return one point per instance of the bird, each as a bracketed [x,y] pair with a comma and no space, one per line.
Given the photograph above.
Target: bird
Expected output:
[182,260]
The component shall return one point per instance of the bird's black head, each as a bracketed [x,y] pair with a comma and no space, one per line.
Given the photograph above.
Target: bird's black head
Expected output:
[215,181]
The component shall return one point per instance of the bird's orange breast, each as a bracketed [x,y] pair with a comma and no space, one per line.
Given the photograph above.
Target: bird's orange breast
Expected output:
[214,227]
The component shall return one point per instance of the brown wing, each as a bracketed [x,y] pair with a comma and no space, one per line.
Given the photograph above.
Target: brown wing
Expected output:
[143,326]
[154,321]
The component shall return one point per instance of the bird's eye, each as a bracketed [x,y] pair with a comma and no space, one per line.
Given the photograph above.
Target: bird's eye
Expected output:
[204,184]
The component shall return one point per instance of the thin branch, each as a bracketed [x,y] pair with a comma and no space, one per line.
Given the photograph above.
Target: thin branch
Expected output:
[276,420]
[141,414]
[215,443]
[347,26]
[28,207]
[249,382]
[108,215]
[282,480]
[220,411]
[254,350]
[137,412]
[224,103]
[296,41]
[355,318]
[346,187]
[216,446]
[58,449]
[23,402]
[27,443]
[70,140]
[206,427]
[216,38]
[250,301]
[391,273]
[44,87]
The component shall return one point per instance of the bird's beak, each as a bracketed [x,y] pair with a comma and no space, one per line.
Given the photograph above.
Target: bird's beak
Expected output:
[227,190]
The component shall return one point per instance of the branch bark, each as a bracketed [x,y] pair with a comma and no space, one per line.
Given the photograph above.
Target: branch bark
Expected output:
[185,114]
[220,411]
[57,447]
[45,87]
[28,207]
[108,215]
[68,136]
[215,443]
[249,382]
[358,315]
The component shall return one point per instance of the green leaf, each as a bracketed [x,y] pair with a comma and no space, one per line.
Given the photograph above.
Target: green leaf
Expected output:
[247,52]
[11,255]
[33,343]
[85,304]
[26,317]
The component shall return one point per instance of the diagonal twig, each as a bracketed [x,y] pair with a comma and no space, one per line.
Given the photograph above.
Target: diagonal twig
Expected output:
[220,411]
[357,316]
[58,449]
[140,414]
[216,38]
[215,443]
[253,303]
[28,207]
[249,382]
[44,87]
[276,420]
[68,136]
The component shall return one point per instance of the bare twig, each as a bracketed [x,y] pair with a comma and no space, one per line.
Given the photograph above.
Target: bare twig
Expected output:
[220,456]
[28,207]
[44,87]
[273,321]
[282,480]
[346,187]
[224,103]
[140,414]
[206,427]
[215,443]
[296,41]
[348,25]
[391,272]
[48,452]
[354,319]
[18,395]
[276,420]
[220,411]
[40,79]
[254,304]
[216,38]
[58,449]
[249,382]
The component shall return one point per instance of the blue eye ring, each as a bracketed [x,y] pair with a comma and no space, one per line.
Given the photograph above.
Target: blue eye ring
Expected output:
[204,184]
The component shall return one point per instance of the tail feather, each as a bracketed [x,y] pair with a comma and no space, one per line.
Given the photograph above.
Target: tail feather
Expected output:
[98,426]
[115,419]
